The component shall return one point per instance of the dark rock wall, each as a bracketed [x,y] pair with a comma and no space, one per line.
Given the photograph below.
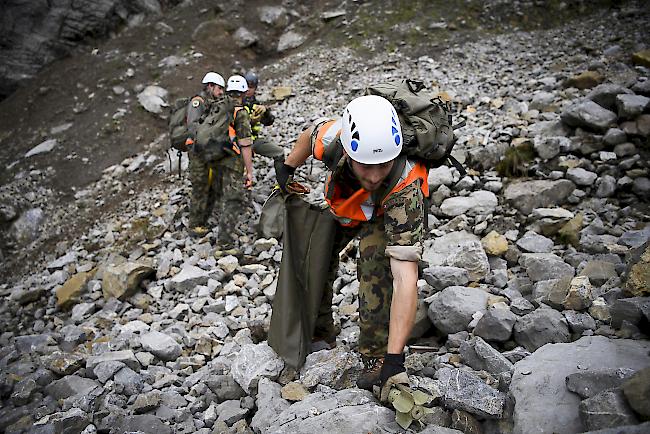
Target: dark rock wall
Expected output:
[34,33]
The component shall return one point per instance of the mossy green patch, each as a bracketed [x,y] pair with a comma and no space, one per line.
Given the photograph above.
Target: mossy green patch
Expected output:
[515,161]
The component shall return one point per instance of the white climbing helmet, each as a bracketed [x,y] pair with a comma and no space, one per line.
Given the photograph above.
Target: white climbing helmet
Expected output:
[371,132]
[237,83]
[213,77]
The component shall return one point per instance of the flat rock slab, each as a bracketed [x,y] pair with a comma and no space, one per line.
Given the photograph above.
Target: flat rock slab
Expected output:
[644,428]
[350,411]
[543,404]
[466,391]
[528,195]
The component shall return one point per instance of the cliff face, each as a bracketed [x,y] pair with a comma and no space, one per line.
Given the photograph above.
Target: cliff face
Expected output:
[36,32]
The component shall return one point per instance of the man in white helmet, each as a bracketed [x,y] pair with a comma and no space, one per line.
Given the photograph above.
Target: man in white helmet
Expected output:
[260,116]
[200,169]
[375,192]
[232,173]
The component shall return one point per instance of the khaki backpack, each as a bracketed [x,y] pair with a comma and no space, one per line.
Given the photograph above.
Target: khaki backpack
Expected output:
[212,141]
[427,131]
[178,132]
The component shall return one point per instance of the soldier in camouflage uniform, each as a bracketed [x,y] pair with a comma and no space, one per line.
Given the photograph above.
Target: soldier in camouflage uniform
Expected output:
[220,180]
[203,193]
[375,193]
[233,195]
[260,116]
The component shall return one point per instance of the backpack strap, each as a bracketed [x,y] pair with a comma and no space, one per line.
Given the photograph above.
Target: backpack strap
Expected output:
[392,180]
[333,154]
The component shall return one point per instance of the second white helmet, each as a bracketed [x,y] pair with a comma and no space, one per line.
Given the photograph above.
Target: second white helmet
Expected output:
[213,77]
[370,131]
[237,83]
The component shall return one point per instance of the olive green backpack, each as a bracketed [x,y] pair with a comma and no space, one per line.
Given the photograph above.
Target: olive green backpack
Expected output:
[426,121]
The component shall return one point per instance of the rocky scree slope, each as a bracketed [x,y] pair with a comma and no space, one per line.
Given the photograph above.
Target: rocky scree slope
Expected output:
[535,288]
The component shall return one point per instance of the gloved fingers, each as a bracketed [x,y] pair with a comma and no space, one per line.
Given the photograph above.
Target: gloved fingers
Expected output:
[398,379]
[297,188]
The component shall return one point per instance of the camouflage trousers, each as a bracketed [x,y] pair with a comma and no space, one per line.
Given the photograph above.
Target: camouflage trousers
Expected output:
[375,288]
[266,148]
[223,188]
[373,271]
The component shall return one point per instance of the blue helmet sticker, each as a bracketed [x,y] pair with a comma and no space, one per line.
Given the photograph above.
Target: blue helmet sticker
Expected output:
[354,144]
[395,131]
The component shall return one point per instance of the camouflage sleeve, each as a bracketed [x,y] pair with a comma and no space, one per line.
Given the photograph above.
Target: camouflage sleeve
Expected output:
[195,109]
[243,128]
[404,223]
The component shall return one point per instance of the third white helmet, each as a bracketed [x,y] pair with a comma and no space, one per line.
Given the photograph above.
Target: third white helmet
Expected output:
[213,77]
[371,132]
[237,83]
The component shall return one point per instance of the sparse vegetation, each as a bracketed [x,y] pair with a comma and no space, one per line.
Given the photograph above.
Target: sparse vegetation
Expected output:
[515,161]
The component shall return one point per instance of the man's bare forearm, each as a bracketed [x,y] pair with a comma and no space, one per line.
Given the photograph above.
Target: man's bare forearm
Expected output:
[247,154]
[404,304]
[301,150]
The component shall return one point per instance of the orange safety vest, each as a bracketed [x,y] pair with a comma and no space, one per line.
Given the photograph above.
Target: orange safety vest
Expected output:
[359,206]
[231,128]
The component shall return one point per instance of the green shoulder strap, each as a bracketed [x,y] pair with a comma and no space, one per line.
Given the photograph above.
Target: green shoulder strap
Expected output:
[392,179]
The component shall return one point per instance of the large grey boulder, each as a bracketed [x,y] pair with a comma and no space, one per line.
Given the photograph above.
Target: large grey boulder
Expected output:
[70,385]
[42,148]
[441,277]
[225,387]
[532,242]
[608,409]
[527,195]
[543,404]
[141,423]
[635,310]
[276,16]
[451,309]
[587,114]
[463,390]
[440,176]
[548,147]
[126,357]
[230,412]
[482,356]
[254,362]
[244,38]
[581,177]
[477,203]
[269,405]
[72,421]
[541,327]
[440,248]
[27,227]
[592,382]
[123,280]
[545,266]
[189,277]
[458,249]
[605,94]
[637,391]
[643,428]
[631,106]
[152,98]
[161,345]
[290,40]
[337,368]
[496,324]
[349,411]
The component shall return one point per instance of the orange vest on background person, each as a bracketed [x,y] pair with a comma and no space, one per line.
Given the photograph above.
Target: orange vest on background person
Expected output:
[232,134]
[359,207]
